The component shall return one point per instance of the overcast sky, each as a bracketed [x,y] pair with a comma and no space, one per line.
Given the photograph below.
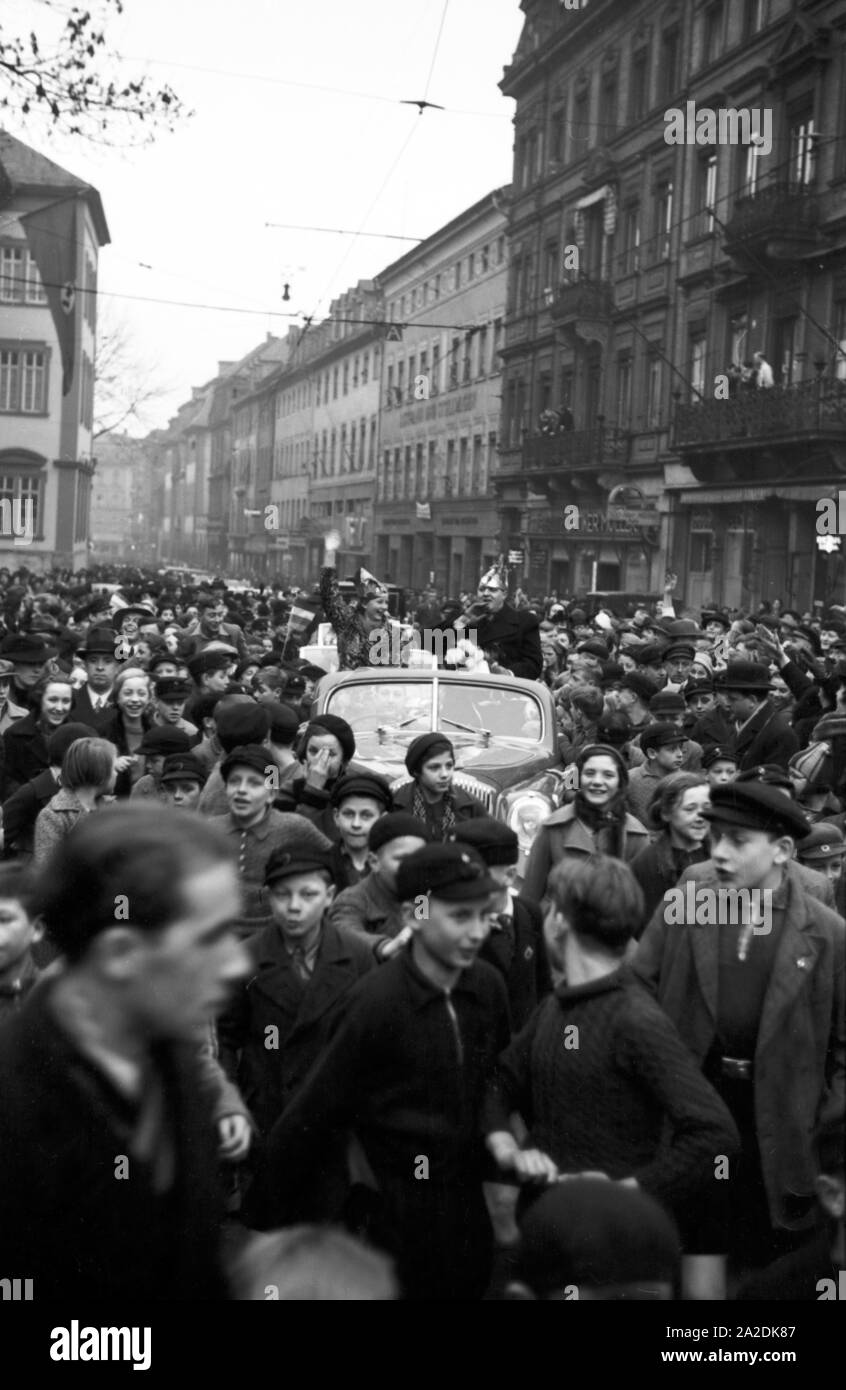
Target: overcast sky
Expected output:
[260,148]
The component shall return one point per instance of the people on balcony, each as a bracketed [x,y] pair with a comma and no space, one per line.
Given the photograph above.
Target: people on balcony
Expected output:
[763,372]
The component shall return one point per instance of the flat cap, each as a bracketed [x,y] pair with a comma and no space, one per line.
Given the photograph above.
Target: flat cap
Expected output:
[361,784]
[824,842]
[251,755]
[172,688]
[305,850]
[757,807]
[667,702]
[165,738]
[495,841]
[717,752]
[641,685]
[397,825]
[183,767]
[453,872]
[661,734]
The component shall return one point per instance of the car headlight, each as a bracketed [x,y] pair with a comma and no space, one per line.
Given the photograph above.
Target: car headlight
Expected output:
[526,814]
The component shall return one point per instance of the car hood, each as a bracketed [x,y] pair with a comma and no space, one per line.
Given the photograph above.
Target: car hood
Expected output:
[502,765]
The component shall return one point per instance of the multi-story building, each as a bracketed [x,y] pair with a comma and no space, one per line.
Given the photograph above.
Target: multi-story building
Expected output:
[435,515]
[52,226]
[642,268]
[114,498]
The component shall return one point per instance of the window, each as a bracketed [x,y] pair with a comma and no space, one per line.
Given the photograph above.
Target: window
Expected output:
[701,551]
[471,265]
[365,367]
[670,58]
[355,372]
[663,219]
[802,151]
[697,357]
[630,257]
[738,333]
[624,392]
[544,392]
[431,463]
[484,259]
[784,366]
[580,129]
[436,368]
[639,84]
[476,484]
[465,362]
[20,282]
[23,492]
[500,250]
[437,287]
[654,382]
[706,198]
[556,137]
[840,335]
[483,351]
[751,162]
[713,27]
[550,265]
[754,17]
[400,393]
[497,345]
[23,381]
[457,281]
[389,386]
[335,384]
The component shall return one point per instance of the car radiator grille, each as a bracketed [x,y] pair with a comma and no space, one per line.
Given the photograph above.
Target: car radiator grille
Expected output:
[487,795]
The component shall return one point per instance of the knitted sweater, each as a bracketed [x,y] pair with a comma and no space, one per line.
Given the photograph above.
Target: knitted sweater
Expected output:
[599,1097]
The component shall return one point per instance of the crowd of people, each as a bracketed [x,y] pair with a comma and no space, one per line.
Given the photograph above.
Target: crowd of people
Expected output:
[273,1026]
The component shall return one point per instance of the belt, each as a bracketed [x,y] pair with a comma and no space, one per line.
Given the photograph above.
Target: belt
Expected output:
[736,1069]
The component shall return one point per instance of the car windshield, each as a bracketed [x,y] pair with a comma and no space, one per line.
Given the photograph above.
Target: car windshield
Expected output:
[465,708]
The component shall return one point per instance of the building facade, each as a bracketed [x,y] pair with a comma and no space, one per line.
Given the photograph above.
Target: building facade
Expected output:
[115,499]
[642,268]
[435,516]
[52,227]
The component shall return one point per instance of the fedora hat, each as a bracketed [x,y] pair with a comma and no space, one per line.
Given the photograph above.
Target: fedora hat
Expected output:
[99,641]
[744,675]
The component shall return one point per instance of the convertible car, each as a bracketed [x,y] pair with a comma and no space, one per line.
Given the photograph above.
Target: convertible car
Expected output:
[502,728]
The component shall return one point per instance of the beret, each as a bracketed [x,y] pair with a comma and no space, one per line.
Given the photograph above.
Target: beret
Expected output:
[165,738]
[332,724]
[251,755]
[361,784]
[824,842]
[453,871]
[397,825]
[181,767]
[662,734]
[305,850]
[495,841]
[757,807]
[426,746]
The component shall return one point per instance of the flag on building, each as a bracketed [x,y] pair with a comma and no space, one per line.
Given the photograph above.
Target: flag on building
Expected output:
[424,511]
[51,234]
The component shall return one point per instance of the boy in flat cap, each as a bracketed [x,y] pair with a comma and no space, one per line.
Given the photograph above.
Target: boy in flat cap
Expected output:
[759,999]
[255,828]
[430,795]
[663,745]
[182,781]
[515,945]
[302,971]
[160,742]
[719,764]
[373,907]
[358,800]
[407,1071]
[170,695]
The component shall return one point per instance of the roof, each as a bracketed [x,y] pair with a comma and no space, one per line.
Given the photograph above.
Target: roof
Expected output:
[31,172]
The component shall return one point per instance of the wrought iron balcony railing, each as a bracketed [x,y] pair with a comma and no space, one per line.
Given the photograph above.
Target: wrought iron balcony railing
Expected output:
[582,300]
[780,214]
[572,450]
[811,409]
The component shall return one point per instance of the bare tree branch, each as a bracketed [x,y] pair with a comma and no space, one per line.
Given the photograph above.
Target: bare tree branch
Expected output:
[125,387]
[75,78]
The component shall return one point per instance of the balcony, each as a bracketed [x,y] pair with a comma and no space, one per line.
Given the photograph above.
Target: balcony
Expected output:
[778,223]
[547,458]
[588,301]
[770,434]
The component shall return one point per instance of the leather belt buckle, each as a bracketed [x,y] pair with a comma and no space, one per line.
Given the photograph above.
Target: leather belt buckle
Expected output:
[736,1068]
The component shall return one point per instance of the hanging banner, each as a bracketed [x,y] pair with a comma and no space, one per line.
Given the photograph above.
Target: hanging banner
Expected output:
[51,234]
